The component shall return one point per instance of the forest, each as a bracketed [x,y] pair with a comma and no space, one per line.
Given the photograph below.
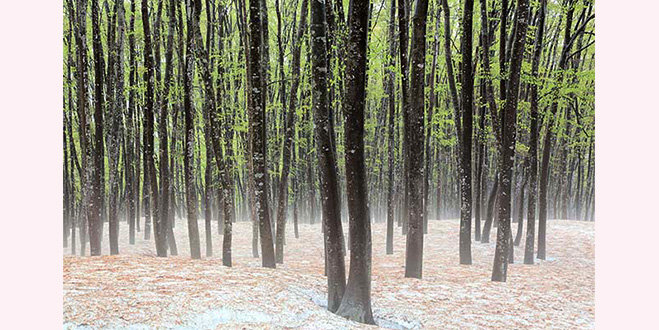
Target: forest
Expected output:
[349,146]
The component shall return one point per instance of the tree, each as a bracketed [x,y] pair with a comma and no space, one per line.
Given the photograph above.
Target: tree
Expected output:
[149,163]
[403,27]
[415,131]
[568,41]
[324,134]
[94,209]
[508,138]
[188,164]
[391,103]
[288,138]
[257,121]
[356,302]
[163,133]
[132,169]
[533,143]
[467,100]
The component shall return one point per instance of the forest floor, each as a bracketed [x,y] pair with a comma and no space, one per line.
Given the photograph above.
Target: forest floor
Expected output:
[139,291]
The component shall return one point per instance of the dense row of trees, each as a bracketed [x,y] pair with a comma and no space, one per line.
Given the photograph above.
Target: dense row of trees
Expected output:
[320,111]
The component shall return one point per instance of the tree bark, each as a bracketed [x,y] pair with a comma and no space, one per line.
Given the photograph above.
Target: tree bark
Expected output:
[415,131]
[391,91]
[288,138]
[149,163]
[188,159]
[533,143]
[95,205]
[356,302]
[467,100]
[258,141]
[331,209]
[508,137]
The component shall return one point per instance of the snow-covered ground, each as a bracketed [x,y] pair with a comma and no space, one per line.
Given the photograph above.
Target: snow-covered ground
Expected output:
[138,291]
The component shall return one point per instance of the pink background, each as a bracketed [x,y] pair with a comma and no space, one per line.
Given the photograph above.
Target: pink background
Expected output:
[31,174]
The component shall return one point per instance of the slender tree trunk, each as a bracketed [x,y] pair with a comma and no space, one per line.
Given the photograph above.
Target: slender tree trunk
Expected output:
[188,159]
[520,214]
[546,151]
[258,141]
[403,27]
[288,138]
[533,143]
[391,91]
[114,142]
[95,206]
[464,165]
[163,133]
[149,163]
[428,169]
[508,137]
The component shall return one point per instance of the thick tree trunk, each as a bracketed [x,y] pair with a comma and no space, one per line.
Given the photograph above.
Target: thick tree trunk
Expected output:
[356,302]
[415,132]
[331,208]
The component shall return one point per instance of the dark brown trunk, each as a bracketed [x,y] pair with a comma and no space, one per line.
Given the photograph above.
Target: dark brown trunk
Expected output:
[331,208]
[356,302]
[258,141]
[96,201]
[188,159]
[415,132]
[504,237]
[391,91]
[464,165]
[149,163]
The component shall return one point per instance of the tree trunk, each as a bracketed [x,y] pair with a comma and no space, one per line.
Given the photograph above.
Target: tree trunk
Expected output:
[508,137]
[356,302]
[546,151]
[331,208]
[188,159]
[132,136]
[149,163]
[464,165]
[520,214]
[163,134]
[288,138]
[533,143]
[403,27]
[391,91]
[258,141]
[415,132]
[95,205]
